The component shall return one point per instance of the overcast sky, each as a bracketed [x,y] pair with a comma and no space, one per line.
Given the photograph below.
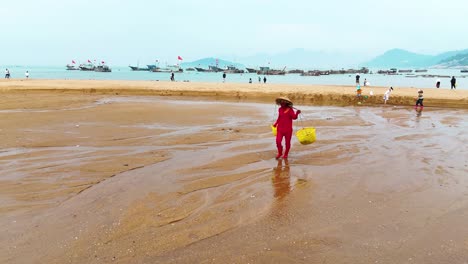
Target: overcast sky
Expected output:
[121,32]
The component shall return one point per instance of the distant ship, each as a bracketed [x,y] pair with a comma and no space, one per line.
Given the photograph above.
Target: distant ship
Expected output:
[72,66]
[210,69]
[87,67]
[169,68]
[136,68]
[102,68]
[251,70]
[232,69]
[422,70]
[268,71]
[151,66]
[464,70]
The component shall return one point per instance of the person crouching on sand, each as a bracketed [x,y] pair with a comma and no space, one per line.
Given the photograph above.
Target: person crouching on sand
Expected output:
[420,99]
[358,91]
[387,95]
[284,125]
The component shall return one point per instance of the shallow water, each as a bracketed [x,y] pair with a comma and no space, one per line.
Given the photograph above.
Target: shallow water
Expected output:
[155,180]
[124,73]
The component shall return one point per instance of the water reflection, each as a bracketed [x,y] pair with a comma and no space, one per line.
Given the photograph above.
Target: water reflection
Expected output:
[281,179]
[418,113]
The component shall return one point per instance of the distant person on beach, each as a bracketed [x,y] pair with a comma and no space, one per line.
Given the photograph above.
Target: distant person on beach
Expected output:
[27,74]
[172,77]
[357,78]
[387,95]
[264,79]
[453,83]
[7,74]
[438,83]
[284,125]
[259,79]
[250,80]
[366,83]
[224,77]
[420,98]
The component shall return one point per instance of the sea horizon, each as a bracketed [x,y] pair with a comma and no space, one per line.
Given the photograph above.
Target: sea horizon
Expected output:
[125,73]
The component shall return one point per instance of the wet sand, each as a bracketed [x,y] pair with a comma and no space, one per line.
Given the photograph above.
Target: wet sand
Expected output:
[96,178]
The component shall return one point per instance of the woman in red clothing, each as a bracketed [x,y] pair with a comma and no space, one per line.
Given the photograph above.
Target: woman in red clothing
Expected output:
[284,125]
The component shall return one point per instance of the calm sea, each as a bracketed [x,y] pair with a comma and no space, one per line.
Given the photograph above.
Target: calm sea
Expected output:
[125,73]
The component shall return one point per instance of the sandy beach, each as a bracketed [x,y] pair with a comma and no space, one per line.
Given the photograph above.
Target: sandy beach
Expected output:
[159,172]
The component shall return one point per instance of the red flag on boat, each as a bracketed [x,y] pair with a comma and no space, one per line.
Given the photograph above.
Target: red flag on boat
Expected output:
[89,61]
[179,58]
[73,62]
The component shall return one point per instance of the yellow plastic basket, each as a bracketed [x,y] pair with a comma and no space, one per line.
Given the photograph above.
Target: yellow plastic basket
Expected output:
[306,135]
[274,130]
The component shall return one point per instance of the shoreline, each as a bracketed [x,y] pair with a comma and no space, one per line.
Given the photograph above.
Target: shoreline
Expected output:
[323,95]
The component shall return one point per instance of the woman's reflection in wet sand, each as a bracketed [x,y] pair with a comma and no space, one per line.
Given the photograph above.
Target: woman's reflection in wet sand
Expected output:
[281,179]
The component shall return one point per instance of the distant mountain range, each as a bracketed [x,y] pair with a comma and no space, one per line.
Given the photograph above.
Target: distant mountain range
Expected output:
[400,58]
[305,59]
[459,60]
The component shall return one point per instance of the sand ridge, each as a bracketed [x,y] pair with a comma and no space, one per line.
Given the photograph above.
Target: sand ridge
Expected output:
[301,94]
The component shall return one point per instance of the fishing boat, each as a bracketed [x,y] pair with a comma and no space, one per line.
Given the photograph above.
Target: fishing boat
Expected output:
[464,70]
[405,71]
[388,72]
[72,67]
[169,68]
[210,69]
[136,68]
[251,70]
[151,66]
[296,71]
[421,70]
[102,68]
[190,69]
[87,67]
[268,71]
[233,69]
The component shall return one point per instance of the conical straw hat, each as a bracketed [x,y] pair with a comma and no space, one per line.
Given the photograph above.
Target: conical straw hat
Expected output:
[279,99]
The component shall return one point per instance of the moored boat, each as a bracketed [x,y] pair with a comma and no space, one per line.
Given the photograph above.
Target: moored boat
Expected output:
[392,71]
[87,67]
[72,66]
[251,70]
[102,68]
[420,70]
[210,69]
[405,71]
[232,69]
[136,68]
[268,71]
[297,71]
[169,68]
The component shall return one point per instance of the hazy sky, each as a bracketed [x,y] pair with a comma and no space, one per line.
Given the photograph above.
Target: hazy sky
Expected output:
[52,32]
